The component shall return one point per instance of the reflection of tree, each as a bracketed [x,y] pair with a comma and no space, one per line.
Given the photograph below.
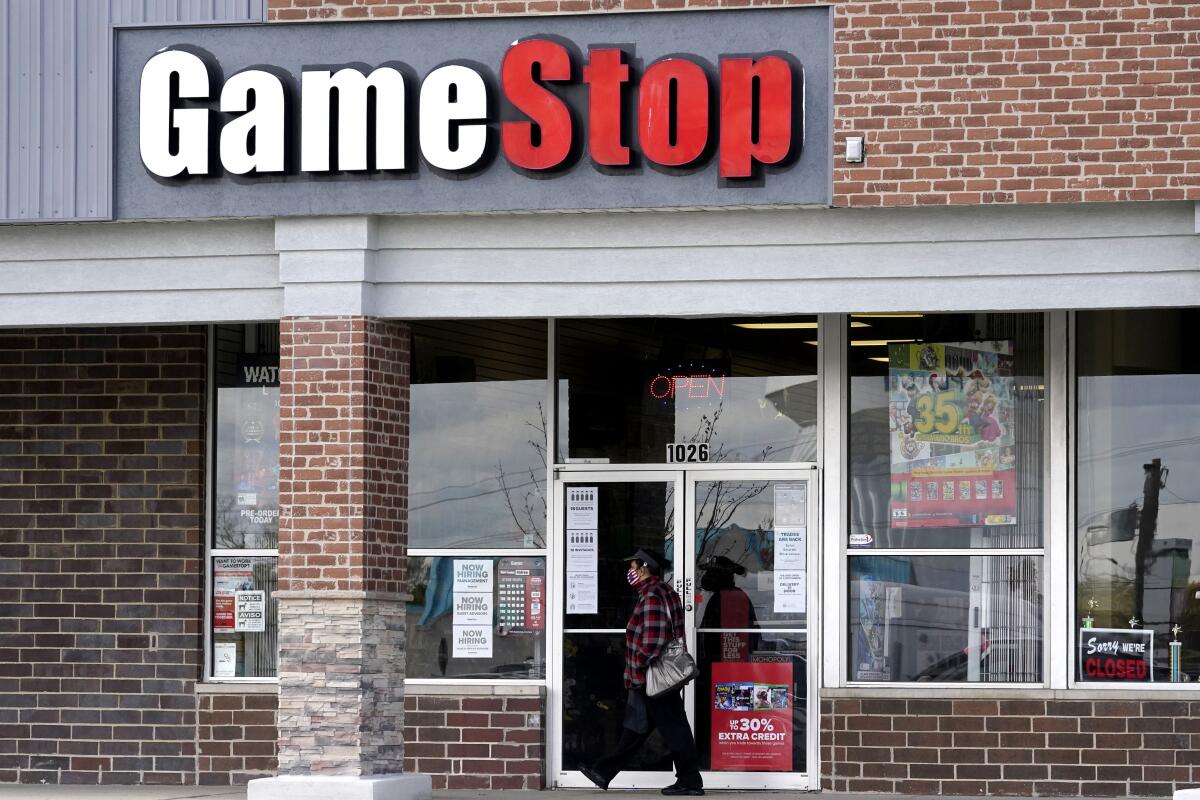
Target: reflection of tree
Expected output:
[529,506]
[227,531]
[233,530]
[721,499]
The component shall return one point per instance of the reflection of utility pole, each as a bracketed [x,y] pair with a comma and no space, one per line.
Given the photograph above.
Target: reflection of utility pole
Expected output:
[1147,526]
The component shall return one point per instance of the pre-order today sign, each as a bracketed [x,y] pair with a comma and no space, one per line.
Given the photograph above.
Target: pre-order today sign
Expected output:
[595,111]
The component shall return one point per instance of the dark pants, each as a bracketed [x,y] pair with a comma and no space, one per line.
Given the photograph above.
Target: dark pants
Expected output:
[665,713]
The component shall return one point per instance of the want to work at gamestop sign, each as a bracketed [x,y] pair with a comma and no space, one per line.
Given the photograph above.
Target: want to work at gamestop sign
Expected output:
[598,111]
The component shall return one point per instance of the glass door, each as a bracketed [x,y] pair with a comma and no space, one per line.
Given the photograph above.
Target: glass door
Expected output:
[603,518]
[753,540]
[738,544]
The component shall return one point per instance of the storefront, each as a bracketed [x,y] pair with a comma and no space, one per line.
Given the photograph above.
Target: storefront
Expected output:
[390,340]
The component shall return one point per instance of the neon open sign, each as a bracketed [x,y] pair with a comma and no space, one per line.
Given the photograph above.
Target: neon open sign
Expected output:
[694,387]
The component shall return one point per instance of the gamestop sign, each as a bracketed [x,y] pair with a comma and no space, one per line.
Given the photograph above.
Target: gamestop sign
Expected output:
[588,112]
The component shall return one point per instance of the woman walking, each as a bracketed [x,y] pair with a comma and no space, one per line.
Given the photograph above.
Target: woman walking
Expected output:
[657,619]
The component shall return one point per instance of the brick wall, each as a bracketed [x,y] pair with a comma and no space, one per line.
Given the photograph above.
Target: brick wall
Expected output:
[101,459]
[343,433]
[235,738]
[970,101]
[1093,748]
[474,742]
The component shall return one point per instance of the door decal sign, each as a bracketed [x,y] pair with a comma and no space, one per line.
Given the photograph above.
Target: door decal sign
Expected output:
[752,717]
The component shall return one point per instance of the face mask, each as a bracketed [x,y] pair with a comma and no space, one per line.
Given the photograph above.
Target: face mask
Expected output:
[632,578]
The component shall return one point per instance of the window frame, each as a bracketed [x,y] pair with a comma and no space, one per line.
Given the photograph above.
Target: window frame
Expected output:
[212,553]
[486,552]
[1070,659]
[838,675]
[550,650]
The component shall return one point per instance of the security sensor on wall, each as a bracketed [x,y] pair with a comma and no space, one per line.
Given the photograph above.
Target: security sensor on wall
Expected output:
[854,149]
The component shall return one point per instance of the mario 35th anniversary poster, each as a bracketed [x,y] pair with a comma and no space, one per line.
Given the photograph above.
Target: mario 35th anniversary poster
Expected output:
[950,409]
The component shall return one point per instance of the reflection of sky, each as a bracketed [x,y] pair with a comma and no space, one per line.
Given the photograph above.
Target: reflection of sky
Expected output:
[868,393]
[463,435]
[236,455]
[1125,422]
[750,423]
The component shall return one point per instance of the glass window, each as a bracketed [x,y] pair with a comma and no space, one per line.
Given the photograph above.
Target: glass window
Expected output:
[245,515]
[628,388]
[476,616]
[246,489]
[736,549]
[946,452]
[946,430]
[1138,496]
[477,476]
[946,618]
[245,640]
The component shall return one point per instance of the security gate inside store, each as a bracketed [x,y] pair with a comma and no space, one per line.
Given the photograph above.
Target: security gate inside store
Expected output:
[740,546]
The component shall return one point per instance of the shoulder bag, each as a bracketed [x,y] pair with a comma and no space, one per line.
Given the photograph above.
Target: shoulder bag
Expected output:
[674,668]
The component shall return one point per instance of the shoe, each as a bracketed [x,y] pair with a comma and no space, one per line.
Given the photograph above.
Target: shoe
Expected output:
[676,789]
[594,777]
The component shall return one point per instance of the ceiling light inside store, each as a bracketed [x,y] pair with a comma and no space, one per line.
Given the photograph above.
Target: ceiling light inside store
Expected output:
[787,326]
[777,326]
[888,316]
[878,342]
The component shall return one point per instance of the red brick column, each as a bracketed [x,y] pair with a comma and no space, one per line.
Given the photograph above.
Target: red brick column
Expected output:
[343,454]
[342,543]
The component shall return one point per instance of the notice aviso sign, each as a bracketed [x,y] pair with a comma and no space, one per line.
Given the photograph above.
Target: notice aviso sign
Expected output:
[590,111]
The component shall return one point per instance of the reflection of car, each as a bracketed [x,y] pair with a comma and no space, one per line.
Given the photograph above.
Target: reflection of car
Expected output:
[956,666]
[525,670]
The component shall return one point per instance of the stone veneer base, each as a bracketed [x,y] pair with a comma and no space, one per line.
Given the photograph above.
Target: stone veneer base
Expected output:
[342,787]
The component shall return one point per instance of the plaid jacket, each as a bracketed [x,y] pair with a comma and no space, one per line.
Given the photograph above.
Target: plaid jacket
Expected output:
[650,629]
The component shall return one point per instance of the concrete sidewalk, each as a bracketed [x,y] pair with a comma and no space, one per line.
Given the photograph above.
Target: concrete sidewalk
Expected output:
[40,792]
[37,792]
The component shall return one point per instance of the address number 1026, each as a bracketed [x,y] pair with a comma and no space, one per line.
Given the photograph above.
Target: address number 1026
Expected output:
[689,453]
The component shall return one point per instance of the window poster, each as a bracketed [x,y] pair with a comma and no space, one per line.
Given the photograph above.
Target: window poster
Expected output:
[582,510]
[752,716]
[950,409]
[473,641]
[474,589]
[250,612]
[521,584]
[582,549]
[472,608]
[1122,655]
[231,575]
[791,592]
[789,574]
[225,658]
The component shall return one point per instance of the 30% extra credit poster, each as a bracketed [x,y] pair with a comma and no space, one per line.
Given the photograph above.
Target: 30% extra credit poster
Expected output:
[752,716]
